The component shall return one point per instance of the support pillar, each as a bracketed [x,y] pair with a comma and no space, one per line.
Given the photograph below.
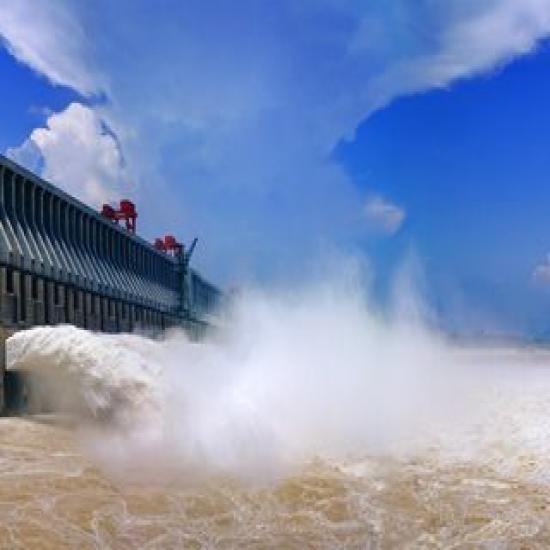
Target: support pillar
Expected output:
[40,301]
[5,333]
[2,373]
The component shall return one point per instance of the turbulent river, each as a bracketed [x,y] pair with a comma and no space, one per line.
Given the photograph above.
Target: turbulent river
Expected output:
[306,423]
[53,497]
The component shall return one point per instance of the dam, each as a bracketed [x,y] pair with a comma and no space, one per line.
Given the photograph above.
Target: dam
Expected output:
[63,262]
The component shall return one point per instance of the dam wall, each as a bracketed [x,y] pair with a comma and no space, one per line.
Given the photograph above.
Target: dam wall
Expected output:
[63,262]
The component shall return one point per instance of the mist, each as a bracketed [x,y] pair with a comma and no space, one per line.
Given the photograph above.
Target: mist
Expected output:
[283,378]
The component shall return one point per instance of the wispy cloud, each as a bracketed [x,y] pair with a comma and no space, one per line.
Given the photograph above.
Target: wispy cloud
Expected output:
[48,36]
[455,40]
[383,215]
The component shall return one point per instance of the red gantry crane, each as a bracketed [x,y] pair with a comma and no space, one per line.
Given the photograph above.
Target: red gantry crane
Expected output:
[126,212]
[169,244]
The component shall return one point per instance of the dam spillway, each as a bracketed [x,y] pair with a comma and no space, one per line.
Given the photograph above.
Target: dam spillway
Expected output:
[63,262]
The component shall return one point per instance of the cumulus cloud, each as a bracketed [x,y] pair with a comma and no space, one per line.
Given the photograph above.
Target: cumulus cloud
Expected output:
[383,215]
[27,154]
[236,108]
[77,152]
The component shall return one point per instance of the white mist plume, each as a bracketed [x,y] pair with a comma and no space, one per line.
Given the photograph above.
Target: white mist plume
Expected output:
[286,378]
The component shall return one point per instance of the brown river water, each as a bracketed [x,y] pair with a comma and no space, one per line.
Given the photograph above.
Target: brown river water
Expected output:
[51,496]
[292,429]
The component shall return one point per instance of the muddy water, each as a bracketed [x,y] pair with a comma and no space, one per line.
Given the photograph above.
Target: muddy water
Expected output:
[51,496]
[173,444]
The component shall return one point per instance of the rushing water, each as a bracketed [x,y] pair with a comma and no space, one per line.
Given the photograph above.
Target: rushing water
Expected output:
[53,497]
[306,423]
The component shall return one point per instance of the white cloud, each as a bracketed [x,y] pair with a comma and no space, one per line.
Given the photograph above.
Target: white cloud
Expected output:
[76,152]
[383,215]
[462,39]
[236,109]
[47,36]
[541,273]
[27,154]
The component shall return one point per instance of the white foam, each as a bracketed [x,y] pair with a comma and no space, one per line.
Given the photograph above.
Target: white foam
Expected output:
[90,375]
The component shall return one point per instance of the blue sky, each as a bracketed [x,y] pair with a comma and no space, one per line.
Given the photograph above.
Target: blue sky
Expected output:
[471,163]
[278,133]
[26,100]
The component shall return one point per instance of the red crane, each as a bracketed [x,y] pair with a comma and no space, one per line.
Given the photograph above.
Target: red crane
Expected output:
[169,245]
[126,212]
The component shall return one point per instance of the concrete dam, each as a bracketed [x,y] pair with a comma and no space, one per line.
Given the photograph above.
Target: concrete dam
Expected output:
[63,262]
